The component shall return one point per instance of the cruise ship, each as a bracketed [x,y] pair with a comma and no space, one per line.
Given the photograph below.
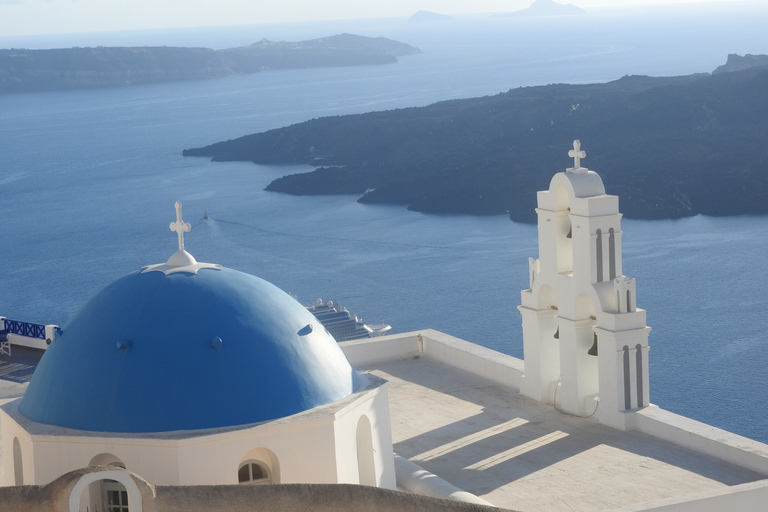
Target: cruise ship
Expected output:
[343,325]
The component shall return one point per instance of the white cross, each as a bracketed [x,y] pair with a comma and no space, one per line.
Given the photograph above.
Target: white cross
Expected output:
[577,154]
[180,227]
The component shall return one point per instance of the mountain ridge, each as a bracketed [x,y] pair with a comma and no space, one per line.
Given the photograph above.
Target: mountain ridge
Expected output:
[670,147]
[69,68]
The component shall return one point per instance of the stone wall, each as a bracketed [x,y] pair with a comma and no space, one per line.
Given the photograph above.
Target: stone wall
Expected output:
[58,497]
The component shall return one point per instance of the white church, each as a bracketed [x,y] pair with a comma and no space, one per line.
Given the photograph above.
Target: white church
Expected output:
[188,386]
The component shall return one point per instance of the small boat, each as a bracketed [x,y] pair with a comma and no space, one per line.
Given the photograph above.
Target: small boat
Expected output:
[343,325]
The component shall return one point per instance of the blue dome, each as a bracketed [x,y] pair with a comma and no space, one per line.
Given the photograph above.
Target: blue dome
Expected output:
[154,353]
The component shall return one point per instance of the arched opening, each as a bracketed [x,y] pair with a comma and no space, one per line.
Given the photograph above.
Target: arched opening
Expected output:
[547,301]
[106,459]
[563,230]
[259,466]
[627,390]
[599,255]
[105,495]
[587,367]
[366,466]
[18,463]
[611,254]
[541,346]
[126,497]
[639,373]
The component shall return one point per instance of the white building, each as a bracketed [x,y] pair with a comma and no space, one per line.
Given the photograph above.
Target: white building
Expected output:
[187,374]
[585,339]
[191,374]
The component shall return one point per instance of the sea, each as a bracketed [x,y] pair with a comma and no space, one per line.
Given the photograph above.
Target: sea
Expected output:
[88,181]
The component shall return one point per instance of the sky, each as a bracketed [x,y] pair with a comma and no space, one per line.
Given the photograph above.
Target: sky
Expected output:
[26,17]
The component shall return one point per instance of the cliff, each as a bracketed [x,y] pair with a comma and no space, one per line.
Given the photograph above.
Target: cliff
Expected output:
[36,70]
[737,62]
[669,147]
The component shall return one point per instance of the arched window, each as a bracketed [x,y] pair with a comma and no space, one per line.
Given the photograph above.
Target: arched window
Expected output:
[18,464]
[253,472]
[627,390]
[611,254]
[366,466]
[599,255]
[639,372]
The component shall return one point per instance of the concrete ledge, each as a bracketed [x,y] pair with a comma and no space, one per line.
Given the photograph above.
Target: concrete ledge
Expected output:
[702,438]
[749,497]
[463,355]
[495,366]
[370,351]
[26,341]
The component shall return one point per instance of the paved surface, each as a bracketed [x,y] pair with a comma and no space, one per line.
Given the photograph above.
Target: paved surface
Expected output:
[21,365]
[507,449]
[518,454]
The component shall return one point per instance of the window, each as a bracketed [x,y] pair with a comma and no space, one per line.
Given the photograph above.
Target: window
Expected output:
[115,497]
[252,472]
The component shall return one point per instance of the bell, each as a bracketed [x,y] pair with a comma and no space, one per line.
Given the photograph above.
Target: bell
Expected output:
[557,333]
[593,349]
[570,232]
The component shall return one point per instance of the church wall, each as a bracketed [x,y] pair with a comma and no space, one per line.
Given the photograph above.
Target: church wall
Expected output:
[319,446]
[371,413]
[56,455]
[304,451]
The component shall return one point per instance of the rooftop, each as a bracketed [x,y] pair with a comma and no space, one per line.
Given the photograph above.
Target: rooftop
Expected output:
[487,439]
[469,425]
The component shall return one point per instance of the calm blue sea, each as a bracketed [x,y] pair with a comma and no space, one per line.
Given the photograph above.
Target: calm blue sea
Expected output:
[88,179]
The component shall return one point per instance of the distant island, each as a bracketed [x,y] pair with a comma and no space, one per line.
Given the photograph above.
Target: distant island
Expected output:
[669,147]
[422,16]
[546,8]
[39,70]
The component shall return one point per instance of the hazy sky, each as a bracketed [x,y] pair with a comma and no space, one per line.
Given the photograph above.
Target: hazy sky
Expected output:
[18,17]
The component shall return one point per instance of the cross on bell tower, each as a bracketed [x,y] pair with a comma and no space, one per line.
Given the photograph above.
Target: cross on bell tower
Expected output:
[577,154]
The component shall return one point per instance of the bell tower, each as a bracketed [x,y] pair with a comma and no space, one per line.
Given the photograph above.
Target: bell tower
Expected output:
[584,338]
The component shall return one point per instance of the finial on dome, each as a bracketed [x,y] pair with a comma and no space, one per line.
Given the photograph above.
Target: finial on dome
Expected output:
[577,154]
[180,227]
[181,260]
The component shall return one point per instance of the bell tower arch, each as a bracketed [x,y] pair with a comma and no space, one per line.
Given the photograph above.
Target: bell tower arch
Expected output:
[585,340]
